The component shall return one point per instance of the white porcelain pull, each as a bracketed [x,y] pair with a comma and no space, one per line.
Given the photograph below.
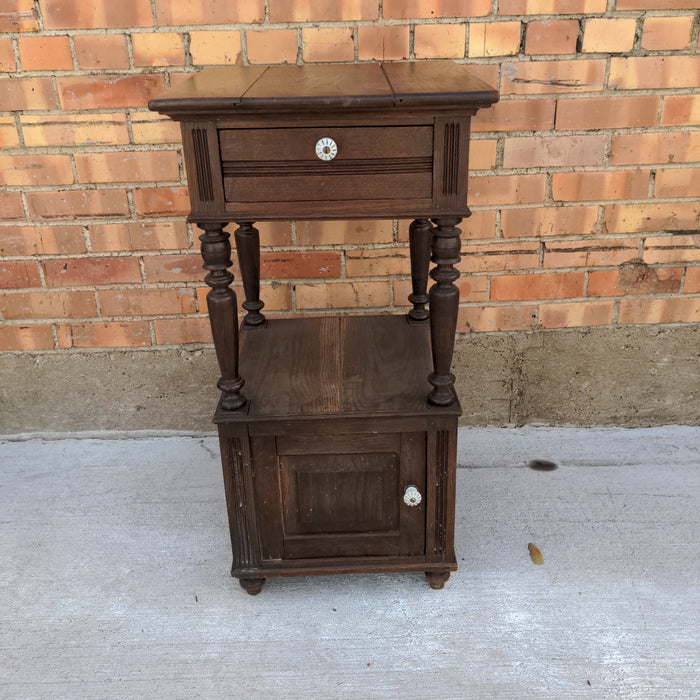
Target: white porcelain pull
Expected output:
[411,496]
[326,148]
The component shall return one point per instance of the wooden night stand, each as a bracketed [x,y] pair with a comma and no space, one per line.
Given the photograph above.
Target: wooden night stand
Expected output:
[339,453]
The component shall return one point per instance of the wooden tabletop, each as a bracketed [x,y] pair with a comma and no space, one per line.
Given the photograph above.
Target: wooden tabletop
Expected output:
[326,86]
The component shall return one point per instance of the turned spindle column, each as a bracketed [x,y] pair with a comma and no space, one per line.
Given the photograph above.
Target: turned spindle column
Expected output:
[223,311]
[248,250]
[420,233]
[444,305]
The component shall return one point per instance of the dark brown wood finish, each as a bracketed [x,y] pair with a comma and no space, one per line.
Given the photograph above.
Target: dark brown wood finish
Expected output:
[339,458]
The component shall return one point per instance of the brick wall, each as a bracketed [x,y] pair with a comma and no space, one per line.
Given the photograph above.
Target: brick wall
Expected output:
[585,178]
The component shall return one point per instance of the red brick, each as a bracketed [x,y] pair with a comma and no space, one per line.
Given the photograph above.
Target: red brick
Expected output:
[177,331]
[272,46]
[26,338]
[480,225]
[551,36]
[108,91]
[272,233]
[609,35]
[439,40]
[665,147]
[559,7]
[35,170]
[680,109]
[42,240]
[147,127]
[692,280]
[608,112]
[667,33]
[596,313]
[45,53]
[216,47]
[198,12]
[657,4]
[146,235]
[101,51]
[74,129]
[146,302]
[664,216]
[550,285]
[538,77]
[472,288]
[499,257]
[516,115]
[49,304]
[483,319]
[482,154]
[494,39]
[356,231]
[7,57]
[343,295]
[634,278]
[380,262]
[159,201]
[431,9]
[382,43]
[295,265]
[96,14]
[623,184]
[130,166]
[553,151]
[327,44]
[506,189]
[672,249]
[77,204]
[649,72]
[590,253]
[9,137]
[18,94]
[677,183]
[488,72]
[18,16]
[173,268]
[117,334]
[77,272]
[19,274]
[158,49]
[277,297]
[674,310]
[323,10]
[11,205]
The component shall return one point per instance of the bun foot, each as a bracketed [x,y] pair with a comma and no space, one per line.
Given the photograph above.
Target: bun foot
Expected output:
[252,586]
[437,579]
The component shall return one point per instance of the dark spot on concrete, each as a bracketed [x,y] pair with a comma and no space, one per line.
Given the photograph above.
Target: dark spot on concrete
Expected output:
[542,465]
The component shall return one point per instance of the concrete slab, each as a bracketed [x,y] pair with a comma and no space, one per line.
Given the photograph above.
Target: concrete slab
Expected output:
[114,579]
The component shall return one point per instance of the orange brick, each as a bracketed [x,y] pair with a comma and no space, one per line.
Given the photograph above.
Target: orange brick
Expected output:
[148,127]
[607,112]
[550,7]
[96,14]
[634,278]
[173,268]
[149,235]
[277,297]
[322,10]
[499,257]
[539,77]
[11,206]
[356,231]
[506,189]
[26,338]
[590,253]
[649,72]
[272,233]
[101,51]
[74,129]
[158,49]
[17,94]
[272,46]
[342,295]
[516,115]
[657,4]
[288,265]
[677,183]
[439,40]
[159,201]
[664,216]
[209,12]
[484,319]
[382,43]
[596,313]
[603,35]
[551,36]
[482,154]
[667,33]
[480,225]
[553,151]
[49,304]
[19,274]
[146,302]
[42,240]
[488,72]
[18,16]
[431,9]
[69,272]
[680,109]
[666,147]
[7,56]
[674,310]
[692,280]
[45,53]
[327,44]
[177,331]
[472,288]
[381,262]
[130,166]
[624,184]
[216,47]
[35,170]
[76,204]
[117,334]
[8,133]
[109,91]
[494,39]
[550,285]
[672,249]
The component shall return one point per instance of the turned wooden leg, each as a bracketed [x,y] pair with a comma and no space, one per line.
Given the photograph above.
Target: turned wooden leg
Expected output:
[437,579]
[420,233]
[248,250]
[253,586]
[223,311]
[444,305]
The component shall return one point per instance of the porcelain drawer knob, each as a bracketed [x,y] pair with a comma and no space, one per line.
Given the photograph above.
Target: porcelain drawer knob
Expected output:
[326,148]
[411,496]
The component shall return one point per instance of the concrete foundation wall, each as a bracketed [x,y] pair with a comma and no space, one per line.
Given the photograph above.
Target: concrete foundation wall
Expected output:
[632,376]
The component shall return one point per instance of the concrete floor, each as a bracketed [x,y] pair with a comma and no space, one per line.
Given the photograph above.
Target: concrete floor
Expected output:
[114,560]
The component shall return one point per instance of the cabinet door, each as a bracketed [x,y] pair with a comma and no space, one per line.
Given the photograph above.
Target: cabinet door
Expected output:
[340,495]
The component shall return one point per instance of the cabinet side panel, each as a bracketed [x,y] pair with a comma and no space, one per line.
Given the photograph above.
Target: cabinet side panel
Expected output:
[268,496]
